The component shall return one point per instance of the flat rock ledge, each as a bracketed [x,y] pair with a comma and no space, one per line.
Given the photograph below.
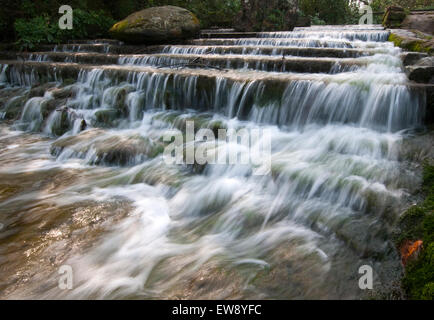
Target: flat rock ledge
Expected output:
[412,40]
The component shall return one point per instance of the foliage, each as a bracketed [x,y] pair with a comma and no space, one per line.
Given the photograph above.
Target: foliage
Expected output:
[34,31]
[317,21]
[380,5]
[41,29]
[20,18]
[87,24]
[418,223]
[269,15]
[331,12]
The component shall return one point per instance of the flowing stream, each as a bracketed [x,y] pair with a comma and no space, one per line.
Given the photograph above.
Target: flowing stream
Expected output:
[83,182]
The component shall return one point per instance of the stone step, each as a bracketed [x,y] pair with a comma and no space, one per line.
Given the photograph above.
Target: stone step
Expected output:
[351,27]
[100,48]
[255,62]
[97,41]
[278,98]
[273,51]
[41,71]
[350,35]
[221,35]
[218,30]
[276,42]
[219,49]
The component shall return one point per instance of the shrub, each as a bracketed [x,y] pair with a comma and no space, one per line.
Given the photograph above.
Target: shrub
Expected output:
[34,31]
[316,21]
[41,29]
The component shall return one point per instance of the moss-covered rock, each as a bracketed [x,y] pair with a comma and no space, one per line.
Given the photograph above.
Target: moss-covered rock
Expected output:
[100,147]
[412,42]
[106,117]
[14,107]
[156,25]
[417,224]
[394,17]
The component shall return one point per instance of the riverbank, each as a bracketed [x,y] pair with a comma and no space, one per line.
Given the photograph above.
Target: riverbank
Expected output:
[416,242]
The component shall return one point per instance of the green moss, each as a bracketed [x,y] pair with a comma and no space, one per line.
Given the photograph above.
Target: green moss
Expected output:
[411,45]
[119,27]
[418,223]
[419,277]
[395,39]
[195,19]
[105,118]
[69,81]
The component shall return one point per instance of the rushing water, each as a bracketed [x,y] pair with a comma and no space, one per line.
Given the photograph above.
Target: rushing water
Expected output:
[99,197]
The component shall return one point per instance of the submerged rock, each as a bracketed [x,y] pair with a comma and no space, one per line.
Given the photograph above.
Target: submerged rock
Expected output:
[100,147]
[106,117]
[39,90]
[156,25]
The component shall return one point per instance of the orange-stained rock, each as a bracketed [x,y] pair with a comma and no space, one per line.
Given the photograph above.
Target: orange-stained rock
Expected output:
[410,250]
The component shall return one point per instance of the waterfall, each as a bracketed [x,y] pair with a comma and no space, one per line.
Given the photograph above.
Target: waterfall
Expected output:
[335,102]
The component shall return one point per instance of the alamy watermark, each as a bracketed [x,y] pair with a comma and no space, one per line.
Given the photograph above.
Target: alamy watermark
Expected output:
[366,281]
[367,15]
[250,147]
[66,280]
[66,21]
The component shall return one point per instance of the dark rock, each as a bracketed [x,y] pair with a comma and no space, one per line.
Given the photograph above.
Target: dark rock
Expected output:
[157,25]
[422,71]
[421,74]
[59,128]
[394,17]
[63,93]
[83,125]
[410,58]
[40,89]
[14,107]
[429,117]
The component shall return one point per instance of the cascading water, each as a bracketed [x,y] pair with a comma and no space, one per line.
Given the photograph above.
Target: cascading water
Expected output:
[104,202]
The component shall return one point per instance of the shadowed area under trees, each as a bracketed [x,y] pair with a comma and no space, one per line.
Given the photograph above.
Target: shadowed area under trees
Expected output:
[31,22]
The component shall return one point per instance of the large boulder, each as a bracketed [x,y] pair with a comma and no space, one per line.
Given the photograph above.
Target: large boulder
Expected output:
[420,21]
[394,17]
[157,25]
